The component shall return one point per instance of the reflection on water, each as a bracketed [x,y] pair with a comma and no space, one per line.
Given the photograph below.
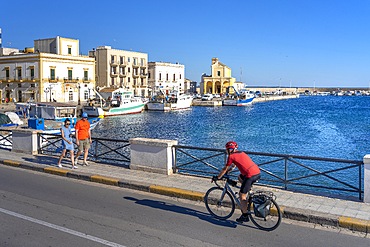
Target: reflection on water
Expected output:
[336,127]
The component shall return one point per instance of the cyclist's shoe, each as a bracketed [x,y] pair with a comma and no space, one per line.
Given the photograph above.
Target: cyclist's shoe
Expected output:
[242,218]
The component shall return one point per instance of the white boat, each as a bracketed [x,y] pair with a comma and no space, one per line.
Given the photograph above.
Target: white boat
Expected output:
[174,101]
[242,98]
[122,102]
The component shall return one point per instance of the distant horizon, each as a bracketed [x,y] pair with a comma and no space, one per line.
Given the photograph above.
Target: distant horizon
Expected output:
[287,43]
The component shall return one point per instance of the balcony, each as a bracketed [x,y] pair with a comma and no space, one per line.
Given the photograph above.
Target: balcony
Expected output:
[135,75]
[143,65]
[143,75]
[113,74]
[71,80]
[53,79]
[122,74]
[123,64]
[86,80]
[135,65]
[113,63]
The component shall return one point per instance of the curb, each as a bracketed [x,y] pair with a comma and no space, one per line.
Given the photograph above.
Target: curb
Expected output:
[288,212]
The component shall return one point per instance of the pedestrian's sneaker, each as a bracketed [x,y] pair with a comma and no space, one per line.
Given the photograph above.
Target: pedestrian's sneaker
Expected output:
[85,163]
[242,219]
[76,160]
[60,165]
[74,167]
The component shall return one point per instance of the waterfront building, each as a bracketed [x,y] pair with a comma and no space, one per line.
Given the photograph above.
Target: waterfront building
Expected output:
[121,69]
[52,70]
[219,80]
[166,77]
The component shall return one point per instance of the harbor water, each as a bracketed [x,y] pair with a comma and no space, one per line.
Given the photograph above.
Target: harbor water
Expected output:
[321,126]
[316,126]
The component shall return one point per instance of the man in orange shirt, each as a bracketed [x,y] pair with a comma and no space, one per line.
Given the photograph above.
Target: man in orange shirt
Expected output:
[83,138]
[249,174]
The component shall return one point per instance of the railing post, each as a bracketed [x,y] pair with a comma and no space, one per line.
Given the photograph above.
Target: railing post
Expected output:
[367,178]
[286,173]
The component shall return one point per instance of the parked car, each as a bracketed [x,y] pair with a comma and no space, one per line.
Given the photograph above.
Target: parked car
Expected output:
[207,96]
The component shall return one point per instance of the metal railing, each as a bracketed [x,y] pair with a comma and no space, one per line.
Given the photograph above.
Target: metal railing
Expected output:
[6,141]
[314,175]
[110,151]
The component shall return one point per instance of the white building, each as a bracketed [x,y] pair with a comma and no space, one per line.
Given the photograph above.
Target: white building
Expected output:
[166,77]
[121,69]
[52,70]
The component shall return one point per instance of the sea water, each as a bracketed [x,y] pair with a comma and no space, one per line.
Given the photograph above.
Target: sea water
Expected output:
[316,126]
[321,126]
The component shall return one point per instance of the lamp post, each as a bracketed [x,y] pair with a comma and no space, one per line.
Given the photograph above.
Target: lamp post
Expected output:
[79,94]
[48,90]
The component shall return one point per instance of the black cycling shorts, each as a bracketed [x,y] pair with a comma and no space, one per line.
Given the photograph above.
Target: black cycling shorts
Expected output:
[248,182]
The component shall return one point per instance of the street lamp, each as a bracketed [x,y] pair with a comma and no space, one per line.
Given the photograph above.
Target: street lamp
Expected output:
[79,94]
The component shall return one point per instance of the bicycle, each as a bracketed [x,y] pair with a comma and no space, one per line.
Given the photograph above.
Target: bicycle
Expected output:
[263,210]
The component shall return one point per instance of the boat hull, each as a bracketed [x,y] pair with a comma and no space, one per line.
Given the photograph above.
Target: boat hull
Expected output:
[123,110]
[180,105]
[237,102]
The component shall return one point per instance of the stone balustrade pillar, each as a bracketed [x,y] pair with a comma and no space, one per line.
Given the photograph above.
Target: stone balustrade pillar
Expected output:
[153,155]
[25,141]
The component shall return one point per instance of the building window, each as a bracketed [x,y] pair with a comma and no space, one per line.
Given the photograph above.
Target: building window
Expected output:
[86,95]
[32,73]
[167,77]
[70,96]
[128,70]
[112,82]
[7,74]
[218,73]
[174,77]
[19,73]
[112,58]
[149,75]
[69,50]
[69,74]
[128,59]
[160,76]
[52,74]
[86,75]
[180,76]
[128,79]
[121,60]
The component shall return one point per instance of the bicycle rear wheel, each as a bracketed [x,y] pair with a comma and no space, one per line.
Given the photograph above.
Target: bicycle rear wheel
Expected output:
[271,221]
[219,204]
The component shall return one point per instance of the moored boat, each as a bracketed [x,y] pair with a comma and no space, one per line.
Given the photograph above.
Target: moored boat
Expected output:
[242,98]
[120,103]
[173,101]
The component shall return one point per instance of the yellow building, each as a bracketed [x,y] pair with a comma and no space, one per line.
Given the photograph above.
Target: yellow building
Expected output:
[219,80]
[52,71]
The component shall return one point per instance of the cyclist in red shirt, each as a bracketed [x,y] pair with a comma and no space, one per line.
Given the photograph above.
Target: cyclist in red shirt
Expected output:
[249,174]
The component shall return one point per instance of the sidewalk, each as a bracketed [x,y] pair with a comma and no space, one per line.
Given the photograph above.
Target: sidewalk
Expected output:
[296,206]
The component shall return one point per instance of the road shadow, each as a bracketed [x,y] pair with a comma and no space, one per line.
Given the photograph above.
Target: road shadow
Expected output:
[183,210]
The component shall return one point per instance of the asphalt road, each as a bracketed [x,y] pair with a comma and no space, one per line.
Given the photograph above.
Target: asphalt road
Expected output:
[38,209]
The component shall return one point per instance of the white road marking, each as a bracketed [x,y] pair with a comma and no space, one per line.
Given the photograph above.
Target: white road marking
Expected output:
[60,228]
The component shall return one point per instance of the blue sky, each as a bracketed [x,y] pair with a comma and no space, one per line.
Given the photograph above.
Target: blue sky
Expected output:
[322,43]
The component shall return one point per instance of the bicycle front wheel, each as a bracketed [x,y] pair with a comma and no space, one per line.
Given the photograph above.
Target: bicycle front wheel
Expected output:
[271,221]
[219,203]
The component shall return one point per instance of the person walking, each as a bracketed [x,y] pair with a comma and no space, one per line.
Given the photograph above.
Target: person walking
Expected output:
[67,143]
[83,137]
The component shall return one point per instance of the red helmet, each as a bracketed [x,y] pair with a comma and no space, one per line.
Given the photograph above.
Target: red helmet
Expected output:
[231,145]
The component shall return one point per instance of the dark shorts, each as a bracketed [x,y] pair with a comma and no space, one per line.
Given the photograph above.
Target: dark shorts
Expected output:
[248,182]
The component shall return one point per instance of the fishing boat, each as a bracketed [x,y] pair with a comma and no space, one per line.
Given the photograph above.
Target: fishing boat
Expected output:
[242,98]
[173,101]
[120,103]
